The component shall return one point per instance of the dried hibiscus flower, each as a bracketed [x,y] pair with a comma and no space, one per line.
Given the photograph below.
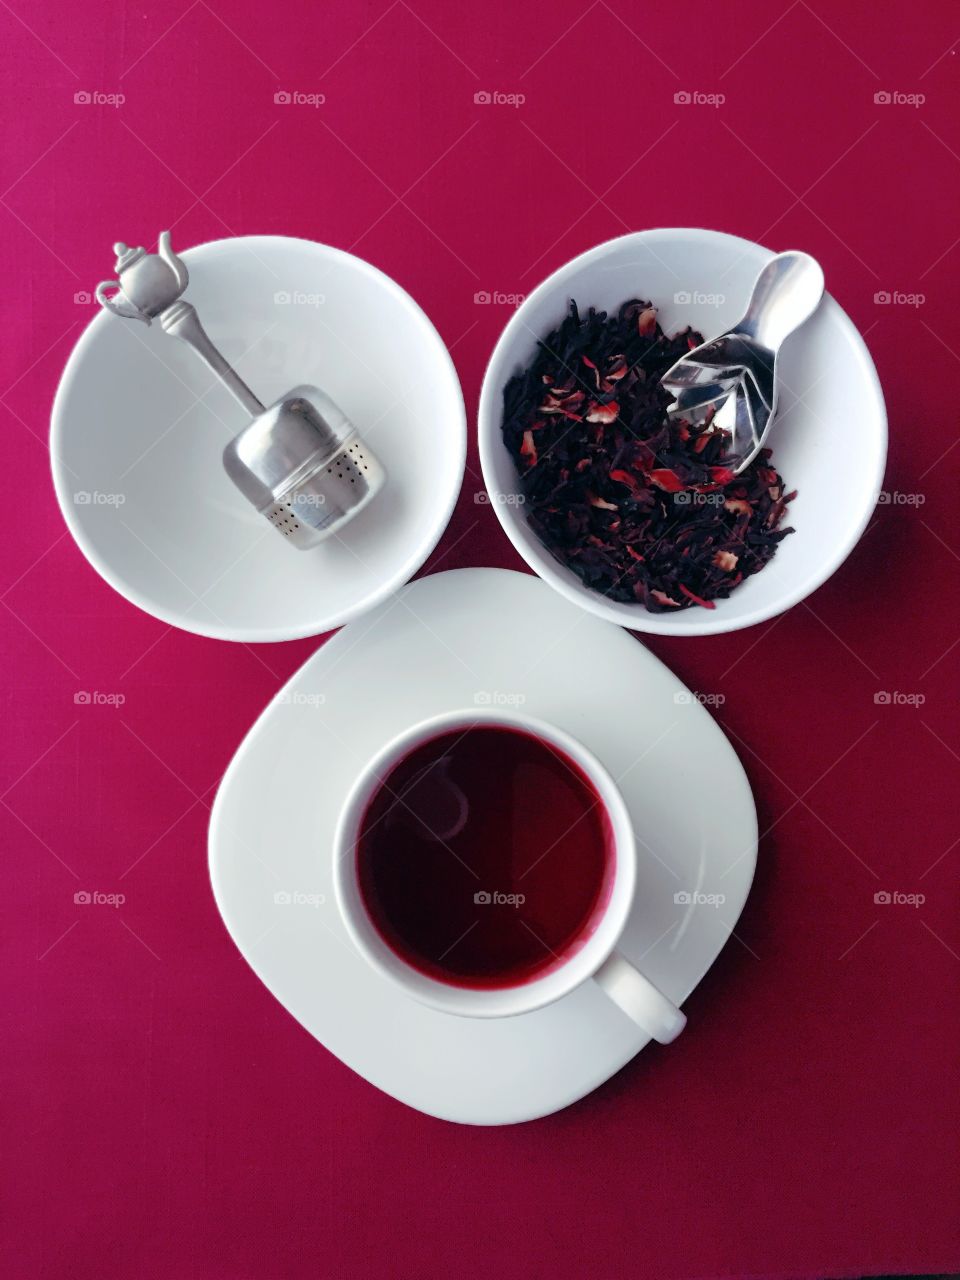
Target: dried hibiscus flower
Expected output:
[640,506]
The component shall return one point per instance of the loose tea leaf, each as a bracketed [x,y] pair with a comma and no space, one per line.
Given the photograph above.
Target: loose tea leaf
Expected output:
[640,506]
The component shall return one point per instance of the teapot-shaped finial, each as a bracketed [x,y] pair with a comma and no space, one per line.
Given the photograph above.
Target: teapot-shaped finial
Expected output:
[146,284]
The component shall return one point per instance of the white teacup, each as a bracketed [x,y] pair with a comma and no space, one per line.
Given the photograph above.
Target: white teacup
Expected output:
[595,959]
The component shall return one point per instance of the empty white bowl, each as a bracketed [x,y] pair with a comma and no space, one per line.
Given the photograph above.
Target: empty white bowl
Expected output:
[829,443]
[139,424]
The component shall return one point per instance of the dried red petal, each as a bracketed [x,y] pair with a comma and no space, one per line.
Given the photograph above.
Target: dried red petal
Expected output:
[707,604]
[603,412]
[666,479]
[663,598]
[725,560]
[600,502]
[738,506]
[721,475]
[624,477]
[528,449]
[647,322]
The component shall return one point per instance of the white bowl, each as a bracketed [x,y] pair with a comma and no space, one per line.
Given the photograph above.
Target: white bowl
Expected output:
[830,443]
[139,424]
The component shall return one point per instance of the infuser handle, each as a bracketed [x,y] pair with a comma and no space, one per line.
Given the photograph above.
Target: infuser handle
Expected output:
[181,320]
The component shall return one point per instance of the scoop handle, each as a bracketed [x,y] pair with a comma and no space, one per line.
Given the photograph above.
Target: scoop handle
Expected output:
[181,320]
[787,292]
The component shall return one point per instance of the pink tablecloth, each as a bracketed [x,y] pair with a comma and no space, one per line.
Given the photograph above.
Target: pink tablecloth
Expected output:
[164,1116]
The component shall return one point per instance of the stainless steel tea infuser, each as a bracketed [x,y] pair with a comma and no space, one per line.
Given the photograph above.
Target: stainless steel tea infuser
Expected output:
[732,380]
[300,461]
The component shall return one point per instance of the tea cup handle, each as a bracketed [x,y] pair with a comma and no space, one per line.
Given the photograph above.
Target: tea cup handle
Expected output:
[640,999]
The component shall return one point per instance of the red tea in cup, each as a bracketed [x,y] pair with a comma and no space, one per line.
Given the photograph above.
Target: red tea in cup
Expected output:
[485,857]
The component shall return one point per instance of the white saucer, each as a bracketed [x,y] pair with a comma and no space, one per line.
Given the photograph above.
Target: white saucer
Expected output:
[455,640]
[139,424]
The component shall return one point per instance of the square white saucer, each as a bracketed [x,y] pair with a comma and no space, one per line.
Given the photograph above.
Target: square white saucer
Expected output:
[478,637]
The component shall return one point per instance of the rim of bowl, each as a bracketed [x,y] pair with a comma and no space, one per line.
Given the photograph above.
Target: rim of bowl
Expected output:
[635,617]
[259,634]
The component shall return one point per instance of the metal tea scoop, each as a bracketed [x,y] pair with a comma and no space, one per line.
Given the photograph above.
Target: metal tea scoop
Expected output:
[730,382]
[301,461]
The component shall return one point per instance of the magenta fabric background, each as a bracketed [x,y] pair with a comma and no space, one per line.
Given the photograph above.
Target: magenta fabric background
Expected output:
[163,1115]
